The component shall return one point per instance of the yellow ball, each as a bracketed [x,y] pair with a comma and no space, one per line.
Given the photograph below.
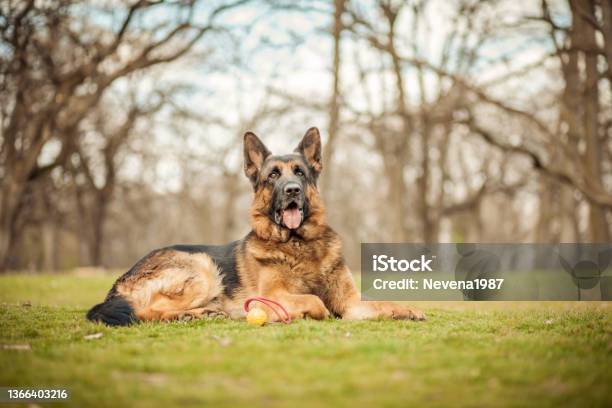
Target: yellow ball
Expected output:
[257,317]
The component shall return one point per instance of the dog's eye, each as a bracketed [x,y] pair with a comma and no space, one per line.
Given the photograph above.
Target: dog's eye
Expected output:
[274,175]
[298,172]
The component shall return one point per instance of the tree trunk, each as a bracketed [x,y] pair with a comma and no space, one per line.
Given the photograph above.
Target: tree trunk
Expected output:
[585,39]
[429,235]
[12,196]
[569,230]
[543,230]
[97,235]
[232,185]
[334,105]
[398,195]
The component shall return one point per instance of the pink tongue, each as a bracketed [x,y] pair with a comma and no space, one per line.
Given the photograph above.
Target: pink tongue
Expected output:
[292,218]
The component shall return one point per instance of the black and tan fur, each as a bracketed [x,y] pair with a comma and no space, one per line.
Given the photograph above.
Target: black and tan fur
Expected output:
[301,267]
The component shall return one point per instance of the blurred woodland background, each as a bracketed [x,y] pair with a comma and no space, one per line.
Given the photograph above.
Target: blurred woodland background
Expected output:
[121,122]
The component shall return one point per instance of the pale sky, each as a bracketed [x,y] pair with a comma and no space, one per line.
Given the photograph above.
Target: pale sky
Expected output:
[303,71]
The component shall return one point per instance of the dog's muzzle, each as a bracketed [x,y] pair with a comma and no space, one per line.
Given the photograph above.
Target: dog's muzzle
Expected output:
[290,212]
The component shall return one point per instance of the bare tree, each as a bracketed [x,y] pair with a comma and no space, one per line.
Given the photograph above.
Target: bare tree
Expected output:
[56,68]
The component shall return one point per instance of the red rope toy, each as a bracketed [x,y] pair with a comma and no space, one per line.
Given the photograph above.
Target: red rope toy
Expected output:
[271,304]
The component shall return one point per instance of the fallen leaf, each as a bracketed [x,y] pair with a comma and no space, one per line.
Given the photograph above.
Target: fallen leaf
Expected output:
[93,336]
[20,347]
[156,379]
[223,341]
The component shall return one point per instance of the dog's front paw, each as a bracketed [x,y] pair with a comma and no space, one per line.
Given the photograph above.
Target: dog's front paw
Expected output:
[316,309]
[407,313]
[391,310]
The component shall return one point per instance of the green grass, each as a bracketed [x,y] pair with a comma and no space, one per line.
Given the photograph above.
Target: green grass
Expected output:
[466,354]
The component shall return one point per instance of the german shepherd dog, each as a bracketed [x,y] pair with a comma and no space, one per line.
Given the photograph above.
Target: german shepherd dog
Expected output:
[291,256]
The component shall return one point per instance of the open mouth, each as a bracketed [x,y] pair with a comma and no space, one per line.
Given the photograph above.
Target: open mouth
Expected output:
[291,217]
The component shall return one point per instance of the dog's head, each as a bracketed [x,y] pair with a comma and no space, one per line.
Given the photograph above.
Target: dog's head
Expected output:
[286,200]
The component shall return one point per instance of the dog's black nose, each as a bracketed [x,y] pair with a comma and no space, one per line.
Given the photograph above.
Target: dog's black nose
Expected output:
[292,189]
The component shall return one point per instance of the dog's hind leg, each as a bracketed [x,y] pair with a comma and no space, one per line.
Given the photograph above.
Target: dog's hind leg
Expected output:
[168,315]
[173,286]
[163,314]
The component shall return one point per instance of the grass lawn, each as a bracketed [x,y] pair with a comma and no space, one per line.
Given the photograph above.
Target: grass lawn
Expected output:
[466,354]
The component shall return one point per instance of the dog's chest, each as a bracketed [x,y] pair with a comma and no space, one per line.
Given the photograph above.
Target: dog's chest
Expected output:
[308,267]
[301,265]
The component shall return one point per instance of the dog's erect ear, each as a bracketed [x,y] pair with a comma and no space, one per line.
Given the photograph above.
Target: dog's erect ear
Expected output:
[255,153]
[310,148]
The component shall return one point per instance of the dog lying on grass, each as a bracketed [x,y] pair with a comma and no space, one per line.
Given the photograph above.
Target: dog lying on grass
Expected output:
[291,256]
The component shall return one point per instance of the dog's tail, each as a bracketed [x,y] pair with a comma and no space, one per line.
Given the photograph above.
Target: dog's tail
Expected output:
[115,311]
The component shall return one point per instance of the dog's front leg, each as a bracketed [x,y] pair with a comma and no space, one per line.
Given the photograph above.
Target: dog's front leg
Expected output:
[344,299]
[362,310]
[298,306]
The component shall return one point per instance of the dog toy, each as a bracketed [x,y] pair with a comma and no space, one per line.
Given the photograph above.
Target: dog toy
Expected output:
[258,317]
